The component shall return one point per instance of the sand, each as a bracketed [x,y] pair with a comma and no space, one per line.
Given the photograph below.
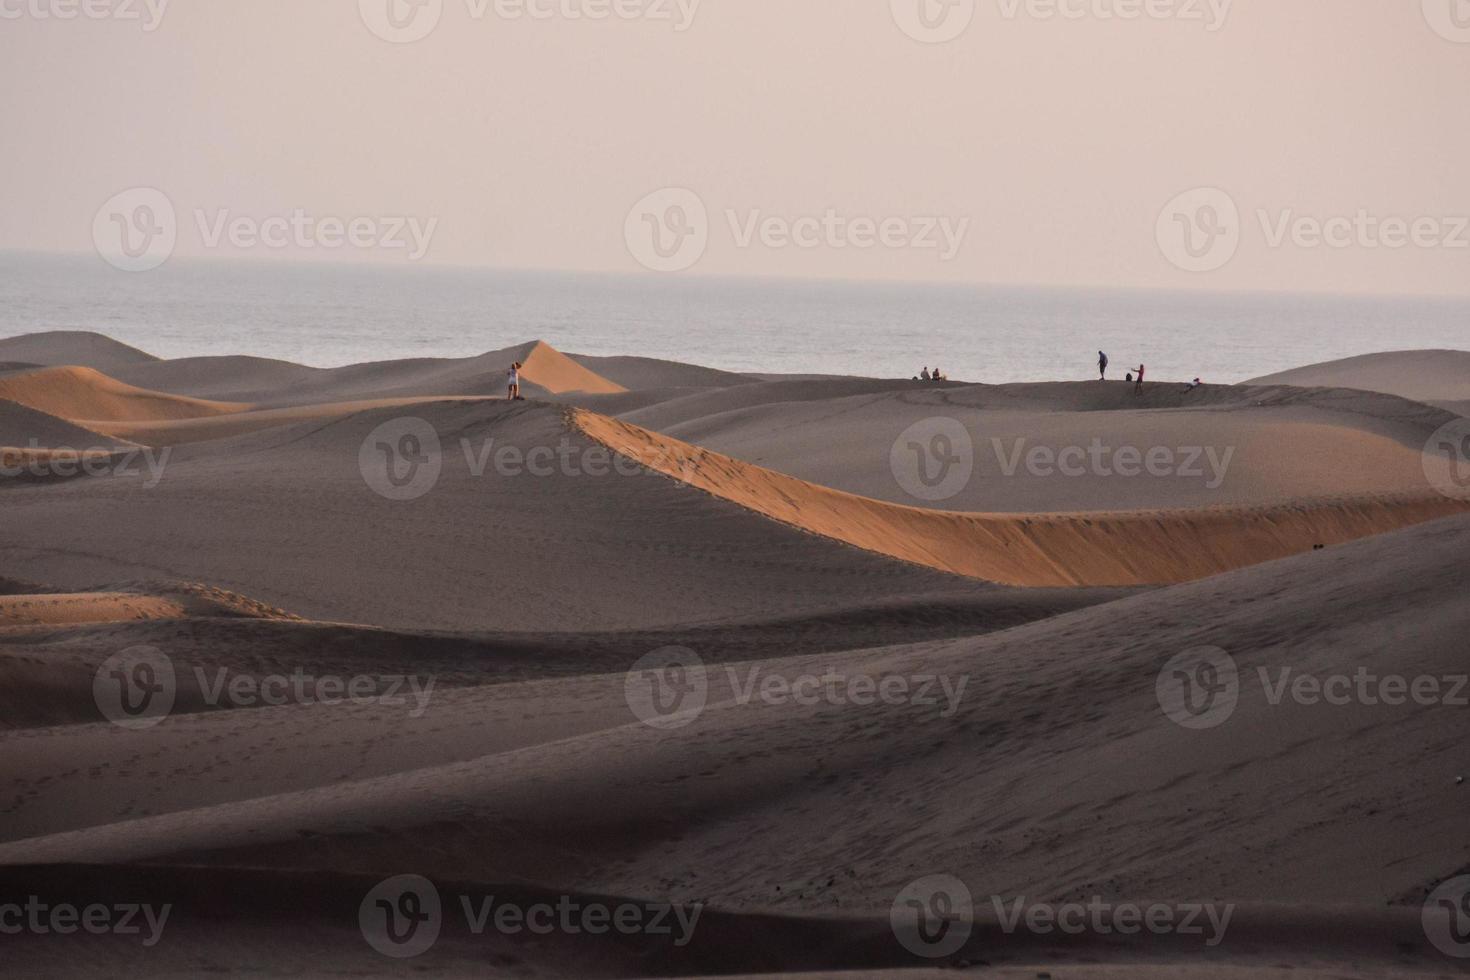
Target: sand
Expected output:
[1433,376]
[1096,548]
[492,603]
[71,347]
[278,384]
[82,394]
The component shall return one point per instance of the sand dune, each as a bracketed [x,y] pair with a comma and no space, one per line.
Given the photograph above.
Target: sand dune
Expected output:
[82,394]
[1431,376]
[1360,801]
[643,373]
[24,428]
[180,432]
[60,348]
[495,575]
[1249,446]
[134,603]
[707,404]
[278,384]
[288,516]
[1085,548]
[220,918]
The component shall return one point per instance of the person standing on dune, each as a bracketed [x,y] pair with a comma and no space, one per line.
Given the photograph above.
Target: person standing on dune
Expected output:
[1102,366]
[514,374]
[1138,386]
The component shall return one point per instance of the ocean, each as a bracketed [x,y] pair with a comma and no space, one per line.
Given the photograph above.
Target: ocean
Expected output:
[328,315]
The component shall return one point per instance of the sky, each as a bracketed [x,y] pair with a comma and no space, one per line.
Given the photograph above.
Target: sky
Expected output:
[1296,145]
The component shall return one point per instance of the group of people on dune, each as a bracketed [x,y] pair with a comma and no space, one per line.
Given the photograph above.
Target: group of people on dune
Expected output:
[1136,380]
[514,375]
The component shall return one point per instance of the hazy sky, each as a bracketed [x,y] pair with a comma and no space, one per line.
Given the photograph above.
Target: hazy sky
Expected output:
[1047,138]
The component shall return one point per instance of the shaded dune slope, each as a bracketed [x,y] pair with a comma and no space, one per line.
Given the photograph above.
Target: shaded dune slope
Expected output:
[1361,798]
[289,516]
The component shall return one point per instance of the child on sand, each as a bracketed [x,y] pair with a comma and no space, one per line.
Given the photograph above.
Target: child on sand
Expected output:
[1102,366]
[515,382]
[1138,385]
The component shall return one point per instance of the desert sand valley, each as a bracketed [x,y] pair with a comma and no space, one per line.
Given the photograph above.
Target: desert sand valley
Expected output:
[315,670]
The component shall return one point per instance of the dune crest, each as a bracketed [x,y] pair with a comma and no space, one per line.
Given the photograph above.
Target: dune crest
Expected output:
[549,368]
[61,347]
[1158,547]
[82,394]
[1432,376]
